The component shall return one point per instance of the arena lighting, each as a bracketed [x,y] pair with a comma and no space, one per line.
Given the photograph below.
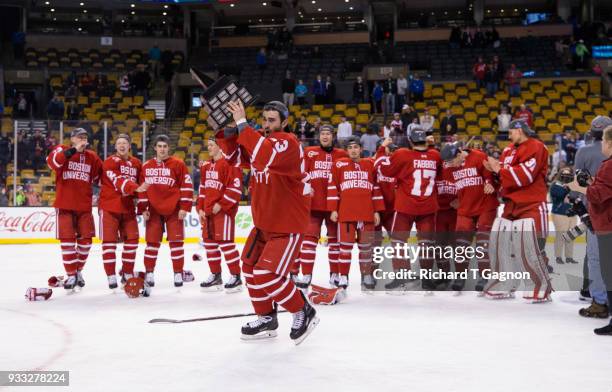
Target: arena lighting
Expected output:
[164,13]
[166,6]
[314,2]
[132,5]
[319,9]
[133,12]
[502,11]
[76,19]
[97,20]
[81,4]
[264,4]
[84,11]
[52,9]
[515,10]
[351,8]
[526,9]
[47,3]
[231,5]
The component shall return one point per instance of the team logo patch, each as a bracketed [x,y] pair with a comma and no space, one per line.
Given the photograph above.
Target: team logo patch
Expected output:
[341,164]
[281,145]
[531,164]
[312,154]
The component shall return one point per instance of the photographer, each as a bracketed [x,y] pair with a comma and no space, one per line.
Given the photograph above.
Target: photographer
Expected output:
[599,195]
[562,219]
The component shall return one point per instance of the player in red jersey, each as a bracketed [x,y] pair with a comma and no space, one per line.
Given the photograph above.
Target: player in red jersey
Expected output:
[416,199]
[117,210]
[446,219]
[164,205]
[355,201]
[319,160]
[220,191]
[76,170]
[477,208]
[280,205]
[522,177]
[387,187]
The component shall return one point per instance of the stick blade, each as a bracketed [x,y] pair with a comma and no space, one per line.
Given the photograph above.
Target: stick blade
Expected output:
[163,320]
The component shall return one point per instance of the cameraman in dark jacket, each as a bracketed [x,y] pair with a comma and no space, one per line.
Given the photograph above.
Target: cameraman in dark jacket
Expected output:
[562,220]
[589,158]
[599,195]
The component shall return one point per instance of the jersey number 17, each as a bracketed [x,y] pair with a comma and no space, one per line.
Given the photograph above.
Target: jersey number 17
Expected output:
[423,174]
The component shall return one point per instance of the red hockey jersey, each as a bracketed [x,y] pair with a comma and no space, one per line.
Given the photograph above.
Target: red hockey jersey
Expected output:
[74,178]
[119,183]
[219,183]
[523,173]
[387,187]
[470,180]
[318,165]
[353,191]
[416,173]
[447,191]
[280,201]
[171,186]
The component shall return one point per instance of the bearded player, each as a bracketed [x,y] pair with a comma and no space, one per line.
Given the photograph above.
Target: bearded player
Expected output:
[416,199]
[477,204]
[319,161]
[446,219]
[76,170]
[281,209]
[355,201]
[120,174]
[164,206]
[220,192]
[522,173]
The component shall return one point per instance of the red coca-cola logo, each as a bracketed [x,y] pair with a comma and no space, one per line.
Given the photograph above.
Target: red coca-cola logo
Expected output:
[28,222]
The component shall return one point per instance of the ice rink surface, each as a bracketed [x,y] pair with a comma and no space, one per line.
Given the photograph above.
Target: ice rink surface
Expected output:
[370,342]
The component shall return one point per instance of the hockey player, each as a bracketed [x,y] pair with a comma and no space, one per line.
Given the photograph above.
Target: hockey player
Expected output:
[164,206]
[446,219]
[220,191]
[120,174]
[477,207]
[319,160]
[76,170]
[387,187]
[355,201]
[281,208]
[416,172]
[522,173]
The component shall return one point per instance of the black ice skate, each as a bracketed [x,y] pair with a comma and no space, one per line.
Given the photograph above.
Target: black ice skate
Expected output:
[458,285]
[212,283]
[263,328]
[333,279]
[607,330]
[343,281]
[234,285]
[480,284]
[70,282]
[368,283]
[178,279]
[79,279]
[304,322]
[112,282]
[397,286]
[303,282]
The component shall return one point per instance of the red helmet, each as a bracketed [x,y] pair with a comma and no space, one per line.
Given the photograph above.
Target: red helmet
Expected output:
[134,287]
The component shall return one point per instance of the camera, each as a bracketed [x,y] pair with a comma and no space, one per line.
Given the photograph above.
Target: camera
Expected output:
[578,208]
[582,177]
[565,177]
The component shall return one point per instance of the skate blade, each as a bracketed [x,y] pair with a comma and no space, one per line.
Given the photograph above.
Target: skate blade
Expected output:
[534,300]
[212,289]
[480,294]
[260,336]
[397,292]
[509,295]
[457,293]
[367,291]
[233,290]
[428,293]
[313,324]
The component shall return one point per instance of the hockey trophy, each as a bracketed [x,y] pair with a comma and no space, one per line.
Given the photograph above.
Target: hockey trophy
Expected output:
[217,94]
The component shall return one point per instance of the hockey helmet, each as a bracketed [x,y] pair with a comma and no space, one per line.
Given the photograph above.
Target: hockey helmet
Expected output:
[134,287]
[418,135]
[598,125]
[521,124]
[450,151]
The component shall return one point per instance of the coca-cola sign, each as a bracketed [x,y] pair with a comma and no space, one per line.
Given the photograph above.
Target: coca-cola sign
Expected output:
[27,220]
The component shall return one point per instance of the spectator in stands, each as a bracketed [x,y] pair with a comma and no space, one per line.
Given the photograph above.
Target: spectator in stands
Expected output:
[448,125]
[417,89]
[524,114]
[330,90]
[4,201]
[562,222]
[23,151]
[20,197]
[467,38]
[72,78]
[503,120]
[568,144]
[454,40]
[492,79]
[55,109]
[359,90]
[19,41]
[100,85]
[390,91]
[124,84]
[414,124]
[402,90]
[154,58]
[21,107]
[558,158]
[38,150]
[513,81]
[427,121]
[142,80]
[369,142]
[300,92]
[6,147]
[345,130]
[50,142]
[478,71]
[71,92]
[303,128]
[387,129]
[581,55]
[288,89]
[32,197]
[479,38]
[262,59]
[495,40]
[73,111]
[397,123]
[597,70]
[377,97]
[86,83]
[318,90]
[408,114]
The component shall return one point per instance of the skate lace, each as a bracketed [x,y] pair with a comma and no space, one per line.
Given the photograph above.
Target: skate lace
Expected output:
[210,278]
[298,319]
[260,321]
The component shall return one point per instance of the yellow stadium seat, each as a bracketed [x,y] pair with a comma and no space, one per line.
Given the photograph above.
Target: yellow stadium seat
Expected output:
[350,112]
[362,119]
[317,108]
[364,107]
[558,107]
[340,108]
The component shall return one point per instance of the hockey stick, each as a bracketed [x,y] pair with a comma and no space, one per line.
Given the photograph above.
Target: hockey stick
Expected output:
[180,321]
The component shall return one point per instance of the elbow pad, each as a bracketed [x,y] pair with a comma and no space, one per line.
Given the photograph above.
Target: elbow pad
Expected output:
[70,152]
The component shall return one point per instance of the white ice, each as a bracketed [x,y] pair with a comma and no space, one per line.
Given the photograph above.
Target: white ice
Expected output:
[370,342]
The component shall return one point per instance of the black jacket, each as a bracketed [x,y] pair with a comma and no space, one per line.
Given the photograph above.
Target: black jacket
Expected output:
[452,121]
[288,86]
